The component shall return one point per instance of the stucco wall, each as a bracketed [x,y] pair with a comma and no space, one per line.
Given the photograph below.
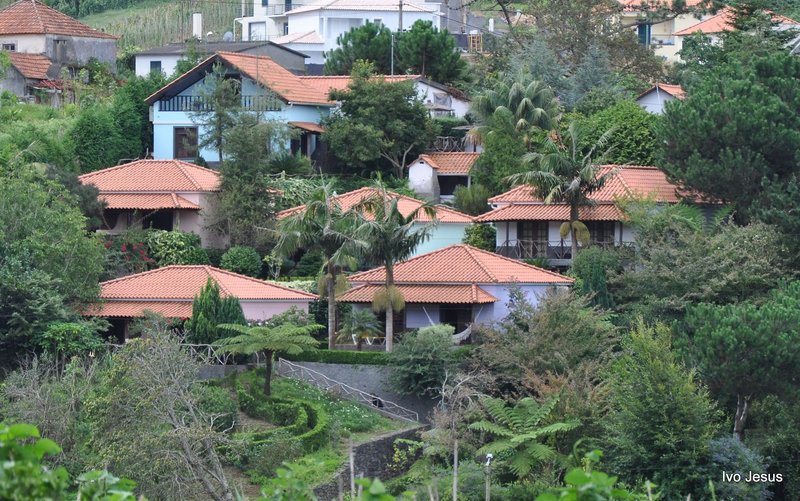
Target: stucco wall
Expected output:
[14,82]
[498,310]
[443,235]
[29,44]
[168,63]
[416,318]
[422,179]
[263,310]
[79,50]
[654,101]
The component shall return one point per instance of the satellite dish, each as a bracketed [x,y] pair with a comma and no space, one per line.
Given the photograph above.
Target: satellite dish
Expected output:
[227,37]
[209,34]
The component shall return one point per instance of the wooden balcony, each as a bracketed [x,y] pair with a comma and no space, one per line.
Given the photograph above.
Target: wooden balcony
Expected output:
[201,104]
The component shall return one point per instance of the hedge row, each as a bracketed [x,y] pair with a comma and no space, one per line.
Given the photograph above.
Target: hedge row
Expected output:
[348,357]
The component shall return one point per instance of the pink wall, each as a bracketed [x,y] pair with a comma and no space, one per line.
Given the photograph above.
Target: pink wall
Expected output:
[263,310]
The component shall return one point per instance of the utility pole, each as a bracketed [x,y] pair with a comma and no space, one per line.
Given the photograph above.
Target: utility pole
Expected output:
[391,63]
[400,18]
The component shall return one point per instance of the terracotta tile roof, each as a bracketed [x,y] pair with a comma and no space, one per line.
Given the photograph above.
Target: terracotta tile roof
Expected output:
[462,264]
[458,163]
[406,205]
[308,126]
[147,201]
[675,91]
[362,5]
[305,37]
[184,283]
[638,5]
[31,17]
[33,66]
[550,212]
[629,180]
[153,176]
[448,294]
[263,69]
[325,84]
[133,309]
[723,21]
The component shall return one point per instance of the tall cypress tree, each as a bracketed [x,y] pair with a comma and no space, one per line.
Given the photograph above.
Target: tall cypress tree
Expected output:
[209,310]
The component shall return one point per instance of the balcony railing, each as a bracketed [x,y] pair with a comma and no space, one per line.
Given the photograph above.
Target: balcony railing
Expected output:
[553,249]
[201,104]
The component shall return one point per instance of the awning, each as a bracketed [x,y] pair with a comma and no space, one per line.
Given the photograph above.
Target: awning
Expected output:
[308,127]
[147,201]
[436,294]
[547,212]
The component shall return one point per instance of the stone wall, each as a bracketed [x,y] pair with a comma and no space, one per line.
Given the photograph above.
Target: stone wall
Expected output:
[371,460]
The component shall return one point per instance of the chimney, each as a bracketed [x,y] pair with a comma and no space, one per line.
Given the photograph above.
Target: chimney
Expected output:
[197,25]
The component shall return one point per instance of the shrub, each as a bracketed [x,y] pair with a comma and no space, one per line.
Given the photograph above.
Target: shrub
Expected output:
[482,236]
[309,265]
[341,357]
[175,247]
[591,267]
[421,360]
[209,310]
[217,401]
[263,459]
[320,424]
[242,260]
[731,455]
[68,339]
[472,200]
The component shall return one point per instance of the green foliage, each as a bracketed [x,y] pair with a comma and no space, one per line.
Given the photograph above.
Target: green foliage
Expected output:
[472,200]
[591,267]
[175,247]
[370,43]
[661,418]
[132,114]
[223,96]
[420,362]
[737,129]
[348,357]
[243,260]
[427,51]
[744,350]
[518,432]
[209,310]
[730,454]
[591,79]
[217,402]
[502,156]
[126,254]
[359,324]
[68,339]
[482,236]
[773,433]
[378,122]
[586,483]
[99,141]
[633,133]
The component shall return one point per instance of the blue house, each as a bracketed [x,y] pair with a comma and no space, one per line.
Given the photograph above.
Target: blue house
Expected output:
[266,88]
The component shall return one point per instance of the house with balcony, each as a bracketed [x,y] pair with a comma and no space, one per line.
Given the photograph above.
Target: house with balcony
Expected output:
[164,59]
[457,285]
[160,194]
[657,27]
[450,224]
[266,88]
[528,228]
[312,27]
[435,175]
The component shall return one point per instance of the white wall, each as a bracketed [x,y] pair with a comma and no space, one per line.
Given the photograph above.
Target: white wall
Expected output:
[168,63]
[29,44]
[422,179]
[654,101]
[263,310]
[426,93]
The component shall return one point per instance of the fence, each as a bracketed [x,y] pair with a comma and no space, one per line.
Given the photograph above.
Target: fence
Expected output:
[385,407]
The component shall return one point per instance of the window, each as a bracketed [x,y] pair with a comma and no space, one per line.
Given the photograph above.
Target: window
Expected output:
[377,21]
[264,3]
[286,27]
[601,232]
[155,66]
[185,142]
[12,47]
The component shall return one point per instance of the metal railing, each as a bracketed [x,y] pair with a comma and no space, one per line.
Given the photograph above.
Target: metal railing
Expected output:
[203,104]
[385,407]
[553,249]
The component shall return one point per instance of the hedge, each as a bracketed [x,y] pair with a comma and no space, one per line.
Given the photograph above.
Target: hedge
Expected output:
[349,357]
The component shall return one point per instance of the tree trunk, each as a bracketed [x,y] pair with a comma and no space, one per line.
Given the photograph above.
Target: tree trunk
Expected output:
[268,374]
[573,216]
[389,311]
[455,469]
[331,284]
[742,407]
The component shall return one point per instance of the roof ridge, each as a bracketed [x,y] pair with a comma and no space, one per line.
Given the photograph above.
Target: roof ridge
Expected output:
[188,176]
[148,272]
[209,271]
[521,263]
[469,249]
[435,251]
[256,280]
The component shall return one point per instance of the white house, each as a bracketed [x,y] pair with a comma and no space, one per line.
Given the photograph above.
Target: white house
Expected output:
[266,88]
[435,175]
[654,98]
[164,59]
[713,26]
[312,27]
[660,33]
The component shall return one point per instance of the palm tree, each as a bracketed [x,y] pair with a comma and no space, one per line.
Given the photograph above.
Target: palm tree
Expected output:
[359,324]
[323,226]
[252,339]
[517,106]
[519,432]
[567,173]
[392,238]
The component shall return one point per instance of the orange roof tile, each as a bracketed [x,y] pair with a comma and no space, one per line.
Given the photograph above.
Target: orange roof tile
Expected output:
[639,180]
[723,21]
[406,205]
[448,294]
[31,17]
[147,201]
[550,212]
[675,91]
[457,162]
[325,84]
[308,126]
[462,264]
[637,5]
[184,283]
[32,66]
[153,176]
